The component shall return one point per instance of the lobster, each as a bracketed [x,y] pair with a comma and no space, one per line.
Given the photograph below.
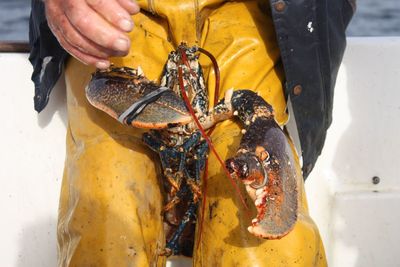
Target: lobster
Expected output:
[177,114]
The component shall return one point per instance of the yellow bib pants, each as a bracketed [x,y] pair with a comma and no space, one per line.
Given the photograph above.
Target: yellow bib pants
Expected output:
[111,201]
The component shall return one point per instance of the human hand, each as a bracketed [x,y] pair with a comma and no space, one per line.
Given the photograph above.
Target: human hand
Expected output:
[92,30]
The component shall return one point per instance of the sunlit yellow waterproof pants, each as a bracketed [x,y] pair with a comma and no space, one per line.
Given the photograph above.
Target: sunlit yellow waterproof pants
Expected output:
[110,207]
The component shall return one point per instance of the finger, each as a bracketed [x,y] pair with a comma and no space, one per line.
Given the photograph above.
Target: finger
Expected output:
[113,12]
[71,38]
[85,58]
[130,5]
[82,43]
[94,27]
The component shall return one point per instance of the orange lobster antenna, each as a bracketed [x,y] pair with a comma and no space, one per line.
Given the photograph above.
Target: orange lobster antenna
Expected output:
[216,95]
[217,75]
[203,133]
[203,202]
[205,136]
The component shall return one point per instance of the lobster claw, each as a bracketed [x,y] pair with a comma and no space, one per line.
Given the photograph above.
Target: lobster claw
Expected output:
[265,164]
[125,94]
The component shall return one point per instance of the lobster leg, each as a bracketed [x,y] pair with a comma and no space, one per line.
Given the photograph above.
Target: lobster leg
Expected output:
[190,187]
[172,246]
[184,150]
[199,164]
[177,155]
[193,183]
[153,141]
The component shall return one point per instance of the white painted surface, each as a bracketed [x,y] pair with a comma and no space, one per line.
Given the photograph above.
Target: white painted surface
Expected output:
[358,220]
[359,225]
[31,164]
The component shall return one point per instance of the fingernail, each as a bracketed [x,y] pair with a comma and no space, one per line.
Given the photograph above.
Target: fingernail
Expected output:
[102,64]
[133,7]
[121,44]
[126,25]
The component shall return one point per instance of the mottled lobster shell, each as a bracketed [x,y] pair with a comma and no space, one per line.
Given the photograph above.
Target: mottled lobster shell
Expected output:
[115,90]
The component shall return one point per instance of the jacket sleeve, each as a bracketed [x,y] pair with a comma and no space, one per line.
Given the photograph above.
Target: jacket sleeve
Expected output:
[333,17]
[47,56]
[311,38]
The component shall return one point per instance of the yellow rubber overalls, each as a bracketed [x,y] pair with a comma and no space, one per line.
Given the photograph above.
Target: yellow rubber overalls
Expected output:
[111,202]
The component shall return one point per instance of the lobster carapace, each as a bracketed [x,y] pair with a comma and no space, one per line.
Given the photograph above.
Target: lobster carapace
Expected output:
[177,114]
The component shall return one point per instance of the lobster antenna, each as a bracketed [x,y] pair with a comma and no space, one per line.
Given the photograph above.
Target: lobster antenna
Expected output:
[216,95]
[203,202]
[216,71]
[202,131]
[205,136]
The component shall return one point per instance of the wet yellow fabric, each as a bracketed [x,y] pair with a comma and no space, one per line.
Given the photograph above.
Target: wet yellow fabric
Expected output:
[111,201]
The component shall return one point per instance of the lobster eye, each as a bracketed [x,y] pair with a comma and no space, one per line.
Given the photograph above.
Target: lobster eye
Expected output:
[230,165]
[244,170]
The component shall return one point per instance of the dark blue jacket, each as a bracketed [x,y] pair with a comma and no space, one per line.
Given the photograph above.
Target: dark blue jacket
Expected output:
[311,37]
